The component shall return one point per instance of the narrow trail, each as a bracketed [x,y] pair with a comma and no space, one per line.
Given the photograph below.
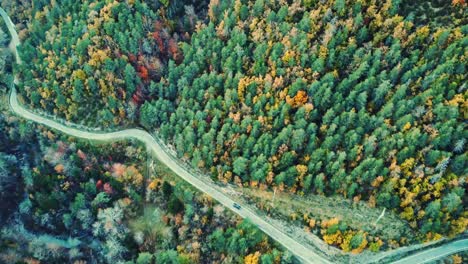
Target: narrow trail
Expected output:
[303,252]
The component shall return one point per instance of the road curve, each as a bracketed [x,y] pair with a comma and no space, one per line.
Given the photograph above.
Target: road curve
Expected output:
[302,252]
[14,36]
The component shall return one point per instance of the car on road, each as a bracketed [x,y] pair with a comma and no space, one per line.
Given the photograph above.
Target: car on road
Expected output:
[237,206]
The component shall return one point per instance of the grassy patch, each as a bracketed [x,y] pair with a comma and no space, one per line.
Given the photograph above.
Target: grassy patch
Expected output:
[358,215]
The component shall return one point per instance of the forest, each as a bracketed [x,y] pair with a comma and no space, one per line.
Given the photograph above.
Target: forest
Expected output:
[349,99]
[66,200]
[363,100]
[93,204]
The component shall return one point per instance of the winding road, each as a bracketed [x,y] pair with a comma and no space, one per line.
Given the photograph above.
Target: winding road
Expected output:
[303,252]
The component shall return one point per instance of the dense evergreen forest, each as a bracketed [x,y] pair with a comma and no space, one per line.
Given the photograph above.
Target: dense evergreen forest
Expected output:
[344,98]
[365,100]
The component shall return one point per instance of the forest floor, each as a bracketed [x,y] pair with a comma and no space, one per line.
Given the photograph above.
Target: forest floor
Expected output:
[359,216]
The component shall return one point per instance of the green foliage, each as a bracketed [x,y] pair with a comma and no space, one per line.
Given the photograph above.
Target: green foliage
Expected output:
[9,184]
[167,257]
[175,205]
[331,98]
[167,189]
[165,2]
[240,166]
[144,258]
[5,61]
[366,100]
[356,240]
[91,61]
